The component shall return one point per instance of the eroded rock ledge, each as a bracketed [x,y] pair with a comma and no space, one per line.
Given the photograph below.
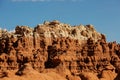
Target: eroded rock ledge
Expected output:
[73,52]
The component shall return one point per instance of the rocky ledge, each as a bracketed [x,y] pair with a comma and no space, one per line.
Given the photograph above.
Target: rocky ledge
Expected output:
[55,50]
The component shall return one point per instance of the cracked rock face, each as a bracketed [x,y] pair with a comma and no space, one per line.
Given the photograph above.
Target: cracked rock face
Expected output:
[67,52]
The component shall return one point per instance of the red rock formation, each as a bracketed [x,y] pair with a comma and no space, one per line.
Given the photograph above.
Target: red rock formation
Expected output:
[53,45]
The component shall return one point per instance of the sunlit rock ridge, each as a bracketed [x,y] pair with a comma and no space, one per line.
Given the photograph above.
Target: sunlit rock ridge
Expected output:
[55,29]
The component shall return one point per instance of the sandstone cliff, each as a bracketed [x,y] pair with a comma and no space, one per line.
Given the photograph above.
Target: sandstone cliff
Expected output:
[55,50]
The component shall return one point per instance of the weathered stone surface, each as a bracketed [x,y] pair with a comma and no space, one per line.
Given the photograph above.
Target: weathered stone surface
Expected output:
[73,52]
[88,76]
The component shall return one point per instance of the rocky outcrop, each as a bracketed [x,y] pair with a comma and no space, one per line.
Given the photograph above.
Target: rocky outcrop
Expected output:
[73,52]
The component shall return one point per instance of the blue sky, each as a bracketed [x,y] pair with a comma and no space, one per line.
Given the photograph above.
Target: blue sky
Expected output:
[103,14]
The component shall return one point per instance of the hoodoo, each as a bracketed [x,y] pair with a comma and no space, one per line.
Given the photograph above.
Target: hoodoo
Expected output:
[58,51]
